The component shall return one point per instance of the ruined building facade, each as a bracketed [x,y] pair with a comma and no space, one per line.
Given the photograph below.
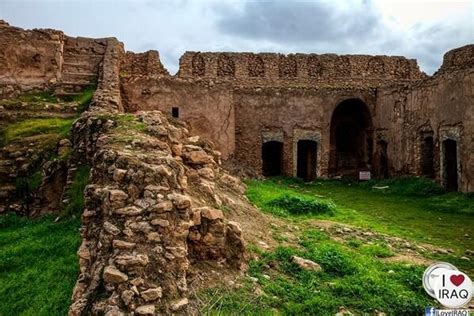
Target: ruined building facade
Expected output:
[305,115]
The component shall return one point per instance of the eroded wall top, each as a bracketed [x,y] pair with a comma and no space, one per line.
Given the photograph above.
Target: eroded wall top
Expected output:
[458,59]
[29,57]
[250,68]
[143,64]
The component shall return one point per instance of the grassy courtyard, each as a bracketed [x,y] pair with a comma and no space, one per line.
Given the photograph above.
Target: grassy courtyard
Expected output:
[39,266]
[356,274]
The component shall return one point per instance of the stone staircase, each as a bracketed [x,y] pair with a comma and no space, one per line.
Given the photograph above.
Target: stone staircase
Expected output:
[80,69]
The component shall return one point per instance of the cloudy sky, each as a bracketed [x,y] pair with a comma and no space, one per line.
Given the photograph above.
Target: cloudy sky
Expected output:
[421,29]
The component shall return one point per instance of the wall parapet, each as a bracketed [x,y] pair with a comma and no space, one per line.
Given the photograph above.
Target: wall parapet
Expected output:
[304,68]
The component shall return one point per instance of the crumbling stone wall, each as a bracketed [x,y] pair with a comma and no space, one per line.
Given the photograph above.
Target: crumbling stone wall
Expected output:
[152,208]
[274,93]
[296,114]
[299,69]
[142,64]
[207,107]
[29,59]
[440,107]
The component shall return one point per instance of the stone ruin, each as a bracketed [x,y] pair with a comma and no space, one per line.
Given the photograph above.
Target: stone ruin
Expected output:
[152,208]
[159,201]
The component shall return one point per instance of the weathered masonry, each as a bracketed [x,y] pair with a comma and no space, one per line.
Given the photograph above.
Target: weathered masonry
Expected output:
[302,115]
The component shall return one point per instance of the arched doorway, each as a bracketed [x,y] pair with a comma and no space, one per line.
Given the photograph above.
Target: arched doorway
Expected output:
[450,164]
[351,132]
[272,157]
[306,159]
[427,157]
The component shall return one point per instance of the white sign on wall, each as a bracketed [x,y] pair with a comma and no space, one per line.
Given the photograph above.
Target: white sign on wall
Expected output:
[364,175]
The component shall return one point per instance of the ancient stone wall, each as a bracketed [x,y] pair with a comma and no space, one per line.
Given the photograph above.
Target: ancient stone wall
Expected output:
[107,95]
[29,58]
[441,108]
[143,64]
[152,209]
[207,108]
[293,115]
[45,59]
[250,69]
[461,58]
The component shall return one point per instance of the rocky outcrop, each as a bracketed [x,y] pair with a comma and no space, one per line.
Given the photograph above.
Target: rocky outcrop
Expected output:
[154,207]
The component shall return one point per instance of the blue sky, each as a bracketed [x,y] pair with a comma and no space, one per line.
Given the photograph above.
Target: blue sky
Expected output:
[421,29]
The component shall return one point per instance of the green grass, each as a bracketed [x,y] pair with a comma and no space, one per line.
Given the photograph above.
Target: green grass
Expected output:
[38,264]
[31,183]
[349,278]
[437,218]
[75,194]
[58,127]
[38,96]
[85,98]
[355,273]
[296,205]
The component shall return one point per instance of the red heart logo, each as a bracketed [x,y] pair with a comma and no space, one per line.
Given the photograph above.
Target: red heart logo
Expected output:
[457,279]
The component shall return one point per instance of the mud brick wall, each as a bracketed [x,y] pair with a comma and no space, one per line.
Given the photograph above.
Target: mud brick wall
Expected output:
[143,64]
[28,58]
[440,107]
[298,69]
[207,108]
[293,114]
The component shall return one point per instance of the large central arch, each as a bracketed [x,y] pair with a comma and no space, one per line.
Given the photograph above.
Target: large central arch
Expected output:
[351,138]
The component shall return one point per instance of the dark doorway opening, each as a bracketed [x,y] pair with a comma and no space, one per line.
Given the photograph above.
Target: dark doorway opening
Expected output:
[427,157]
[272,157]
[306,159]
[450,165]
[175,112]
[381,167]
[351,136]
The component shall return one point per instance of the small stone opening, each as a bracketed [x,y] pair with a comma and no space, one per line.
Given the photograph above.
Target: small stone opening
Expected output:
[175,112]
[306,159]
[272,157]
[450,165]
[427,157]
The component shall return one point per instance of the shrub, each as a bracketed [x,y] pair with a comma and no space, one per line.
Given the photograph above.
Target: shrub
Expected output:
[334,260]
[298,205]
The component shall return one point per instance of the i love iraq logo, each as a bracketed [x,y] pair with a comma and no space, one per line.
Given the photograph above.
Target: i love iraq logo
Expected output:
[451,287]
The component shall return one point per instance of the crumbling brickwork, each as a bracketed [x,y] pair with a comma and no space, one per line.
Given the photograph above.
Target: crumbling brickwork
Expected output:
[45,59]
[301,69]
[274,93]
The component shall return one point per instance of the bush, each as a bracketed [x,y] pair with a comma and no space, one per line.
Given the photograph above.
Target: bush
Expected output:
[334,260]
[298,205]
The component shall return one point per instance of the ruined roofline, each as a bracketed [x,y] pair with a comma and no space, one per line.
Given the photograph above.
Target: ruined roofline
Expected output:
[459,58]
[276,66]
[5,24]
